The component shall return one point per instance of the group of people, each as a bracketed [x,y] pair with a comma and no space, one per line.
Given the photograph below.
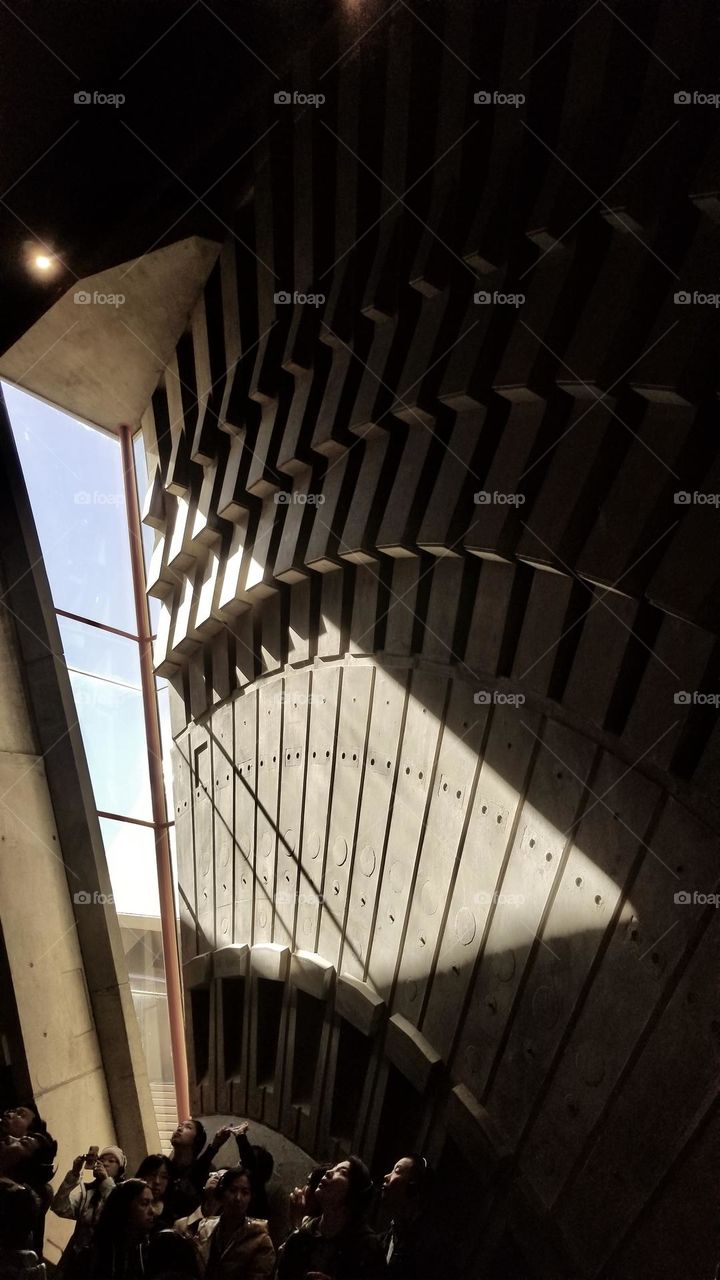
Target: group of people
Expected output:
[178,1218]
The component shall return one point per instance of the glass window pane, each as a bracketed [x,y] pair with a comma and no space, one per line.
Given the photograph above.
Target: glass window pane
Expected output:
[130,853]
[113,730]
[73,475]
[100,652]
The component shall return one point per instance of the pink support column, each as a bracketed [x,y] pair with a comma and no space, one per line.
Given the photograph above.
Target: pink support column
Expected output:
[157,786]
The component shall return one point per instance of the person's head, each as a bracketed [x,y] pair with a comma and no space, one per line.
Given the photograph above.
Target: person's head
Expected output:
[189,1136]
[113,1160]
[234,1194]
[169,1253]
[346,1186]
[19,1214]
[128,1211]
[156,1172]
[210,1199]
[406,1183]
[19,1121]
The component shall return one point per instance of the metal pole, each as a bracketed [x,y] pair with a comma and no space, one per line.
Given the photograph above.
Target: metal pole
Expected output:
[157,787]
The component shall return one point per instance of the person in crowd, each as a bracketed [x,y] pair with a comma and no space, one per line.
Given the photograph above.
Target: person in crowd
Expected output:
[199,1225]
[269,1202]
[189,1167]
[28,1161]
[19,1209]
[410,1243]
[122,1233]
[240,1247]
[83,1201]
[304,1203]
[156,1171]
[170,1256]
[337,1245]
[17,1122]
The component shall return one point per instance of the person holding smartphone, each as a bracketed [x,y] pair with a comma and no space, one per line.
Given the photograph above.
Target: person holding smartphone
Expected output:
[84,1201]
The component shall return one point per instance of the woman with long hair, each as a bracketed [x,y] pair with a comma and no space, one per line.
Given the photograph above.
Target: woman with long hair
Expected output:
[123,1232]
[337,1244]
[157,1172]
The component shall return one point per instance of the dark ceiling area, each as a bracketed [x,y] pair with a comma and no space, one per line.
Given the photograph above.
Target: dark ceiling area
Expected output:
[100,182]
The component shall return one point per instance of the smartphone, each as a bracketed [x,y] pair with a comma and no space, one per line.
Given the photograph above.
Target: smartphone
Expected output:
[91,1157]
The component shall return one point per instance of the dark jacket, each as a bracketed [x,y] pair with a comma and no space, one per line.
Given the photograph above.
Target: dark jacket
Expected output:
[184,1191]
[247,1254]
[419,1252]
[119,1262]
[356,1254]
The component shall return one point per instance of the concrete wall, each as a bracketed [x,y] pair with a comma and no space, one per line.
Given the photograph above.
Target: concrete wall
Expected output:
[444,640]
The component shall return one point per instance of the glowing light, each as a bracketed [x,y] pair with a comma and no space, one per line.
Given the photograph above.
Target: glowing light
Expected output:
[42,262]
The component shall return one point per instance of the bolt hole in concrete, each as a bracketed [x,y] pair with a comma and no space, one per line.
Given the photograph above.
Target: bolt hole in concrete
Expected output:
[484,809]
[578,881]
[548,857]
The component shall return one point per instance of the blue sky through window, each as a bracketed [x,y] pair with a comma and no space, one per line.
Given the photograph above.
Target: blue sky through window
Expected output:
[74,479]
